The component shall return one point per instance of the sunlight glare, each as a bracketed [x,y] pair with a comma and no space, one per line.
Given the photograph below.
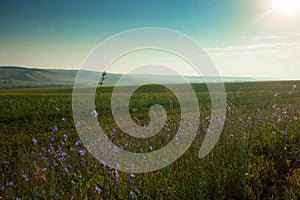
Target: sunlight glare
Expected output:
[287,7]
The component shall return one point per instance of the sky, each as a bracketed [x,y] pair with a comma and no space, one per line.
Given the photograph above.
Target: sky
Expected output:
[248,38]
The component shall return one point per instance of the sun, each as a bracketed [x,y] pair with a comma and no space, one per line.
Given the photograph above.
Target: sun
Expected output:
[286,7]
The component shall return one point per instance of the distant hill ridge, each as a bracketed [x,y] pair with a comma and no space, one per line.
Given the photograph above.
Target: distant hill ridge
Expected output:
[21,77]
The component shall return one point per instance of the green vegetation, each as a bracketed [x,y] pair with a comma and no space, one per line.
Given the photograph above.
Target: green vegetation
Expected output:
[257,156]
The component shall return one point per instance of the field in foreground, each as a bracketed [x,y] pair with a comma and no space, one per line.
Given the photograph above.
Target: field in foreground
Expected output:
[256,157]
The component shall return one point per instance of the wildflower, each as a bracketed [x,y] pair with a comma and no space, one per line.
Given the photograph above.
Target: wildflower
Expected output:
[103,77]
[61,153]
[132,194]
[55,129]
[273,132]
[116,174]
[99,190]
[26,177]
[132,175]
[10,184]
[52,140]
[284,132]
[150,147]
[113,132]
[5,162]
[94,113]
[63,119]
[136,189]
[116,181]
[80,177]
[78,143]
[130,181]
[279,119]
[73,182]
[102,162]
[34,141]
[115,149]
[65,137]
[77,125]
[228,107]
[53,196]
[69,166]
[294,86]
[81,152]
[57,109]
[295,118]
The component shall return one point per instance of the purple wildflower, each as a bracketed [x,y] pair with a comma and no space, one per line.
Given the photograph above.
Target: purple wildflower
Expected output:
[34,141]
[10,184]
[132,194]
[284,132]
[55,129]
[81,152]
[94,113]
[102,162]
[77,125]
[116,174]
[99,190]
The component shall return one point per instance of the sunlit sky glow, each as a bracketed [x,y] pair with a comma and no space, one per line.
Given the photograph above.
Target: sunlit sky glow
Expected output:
[252,38]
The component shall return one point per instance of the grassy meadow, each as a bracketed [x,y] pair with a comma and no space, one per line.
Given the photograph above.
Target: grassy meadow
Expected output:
[256,157]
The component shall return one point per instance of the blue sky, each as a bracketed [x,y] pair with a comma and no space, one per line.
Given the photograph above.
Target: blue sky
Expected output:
[242,37]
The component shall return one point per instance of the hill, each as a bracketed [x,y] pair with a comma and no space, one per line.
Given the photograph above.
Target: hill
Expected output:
[21,77]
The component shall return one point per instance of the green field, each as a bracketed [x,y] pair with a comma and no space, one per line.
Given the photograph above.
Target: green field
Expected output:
[256,157]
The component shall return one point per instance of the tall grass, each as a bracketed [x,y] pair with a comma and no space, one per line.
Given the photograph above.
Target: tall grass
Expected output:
[257,156]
